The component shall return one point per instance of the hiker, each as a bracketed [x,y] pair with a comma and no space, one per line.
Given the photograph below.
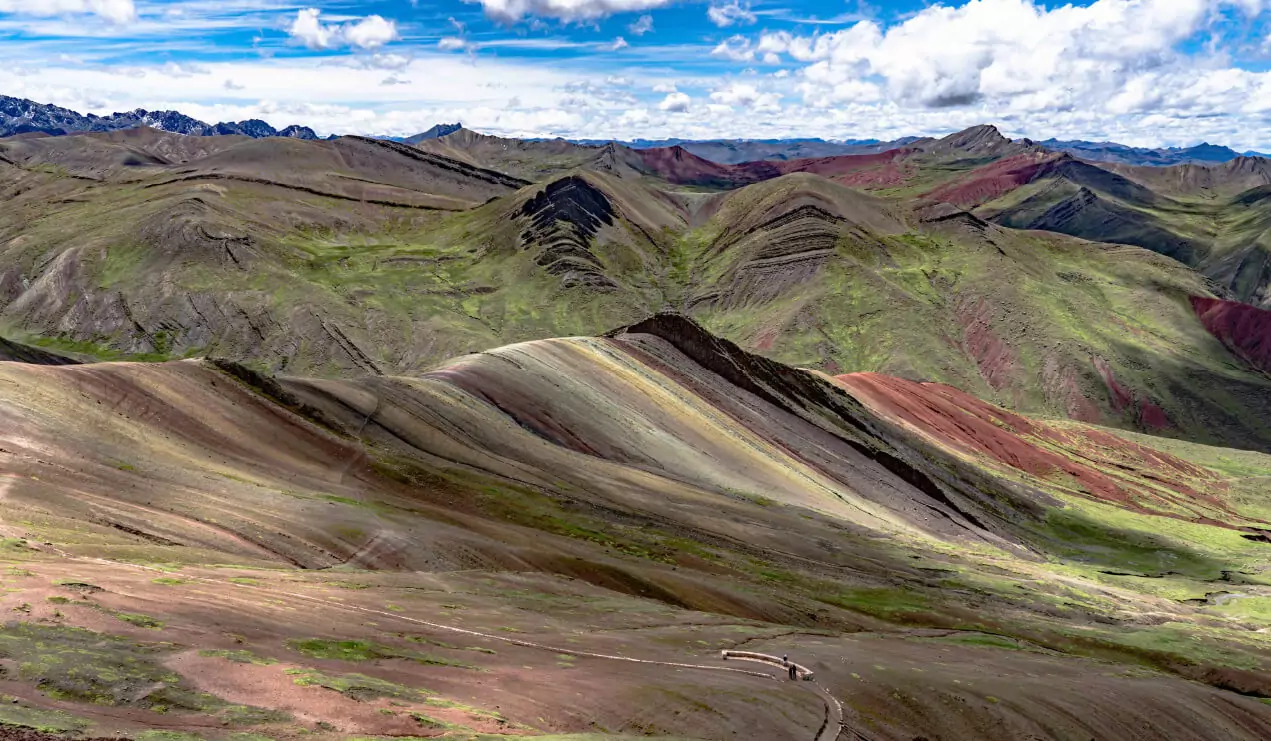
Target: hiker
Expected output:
[792,668]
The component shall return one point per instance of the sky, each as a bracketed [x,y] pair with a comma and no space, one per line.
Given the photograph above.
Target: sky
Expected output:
[1140,72]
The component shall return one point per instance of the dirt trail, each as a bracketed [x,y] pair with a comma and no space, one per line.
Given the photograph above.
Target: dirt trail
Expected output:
[833,726]
[830,729]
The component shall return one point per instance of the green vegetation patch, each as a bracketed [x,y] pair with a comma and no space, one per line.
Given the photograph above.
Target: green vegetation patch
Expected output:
[139,620]
[46,721]
[357,686]
[70,663]
[167,736]
[322,648]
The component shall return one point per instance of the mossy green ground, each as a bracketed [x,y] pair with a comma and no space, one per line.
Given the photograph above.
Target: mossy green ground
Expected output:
[346,650]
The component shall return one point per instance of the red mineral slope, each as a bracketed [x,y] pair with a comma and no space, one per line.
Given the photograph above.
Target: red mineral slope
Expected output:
[682,167]
[1244,329]
[1080,460]
[880,170]
[995,180]
[678,165]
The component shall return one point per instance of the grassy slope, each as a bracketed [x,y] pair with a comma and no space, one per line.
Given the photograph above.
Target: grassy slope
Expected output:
[312,284]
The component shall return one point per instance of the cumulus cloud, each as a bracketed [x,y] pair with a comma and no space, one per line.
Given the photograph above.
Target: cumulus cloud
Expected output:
[1016,50]
[511,11]
[736,48]
[675,103]
[665,87]
[115,11]
[731,14]
[748,96]
[370,32]
[642,25]
[615,45]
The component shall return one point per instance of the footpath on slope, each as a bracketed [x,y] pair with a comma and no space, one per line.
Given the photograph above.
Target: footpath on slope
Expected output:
[831,727]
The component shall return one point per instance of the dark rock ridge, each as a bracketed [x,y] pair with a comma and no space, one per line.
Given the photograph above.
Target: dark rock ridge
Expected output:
[22,116]
[564,218]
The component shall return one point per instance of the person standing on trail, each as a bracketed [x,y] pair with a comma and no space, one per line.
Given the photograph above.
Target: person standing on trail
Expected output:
[793,669]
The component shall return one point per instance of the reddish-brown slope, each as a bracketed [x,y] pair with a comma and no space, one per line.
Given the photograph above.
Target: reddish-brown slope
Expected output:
[1081,460]
[1244,329]
[682,167]
[879,170]
[678,165]
[995,180]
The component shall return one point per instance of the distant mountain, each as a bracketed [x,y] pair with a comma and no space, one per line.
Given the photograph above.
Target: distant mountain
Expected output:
[1126,155]
[435,132]
[737,151]
[22,116]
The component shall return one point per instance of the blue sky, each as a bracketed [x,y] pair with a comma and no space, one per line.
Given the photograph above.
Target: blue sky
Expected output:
[1151,72]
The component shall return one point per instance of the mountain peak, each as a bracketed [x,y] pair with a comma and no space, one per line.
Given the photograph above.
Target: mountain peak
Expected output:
[976,136]
[436,132]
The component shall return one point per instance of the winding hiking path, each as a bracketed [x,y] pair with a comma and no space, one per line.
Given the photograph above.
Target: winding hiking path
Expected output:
[833,726]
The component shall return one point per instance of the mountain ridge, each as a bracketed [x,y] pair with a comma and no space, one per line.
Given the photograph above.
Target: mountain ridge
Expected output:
[23,116]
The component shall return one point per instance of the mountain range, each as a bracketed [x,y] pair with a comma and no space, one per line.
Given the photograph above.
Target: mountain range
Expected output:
[20,116]
[473,437]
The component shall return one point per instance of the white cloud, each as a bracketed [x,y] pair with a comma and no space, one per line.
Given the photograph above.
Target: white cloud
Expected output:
[642,25]
[1003,50]
[370,32]
[511,11]
[665,87]
[748,96]
[731,14]
[385,61]
[115,11]
[736,48]
[615,45]
[675,103]
[310,31]
[453,43]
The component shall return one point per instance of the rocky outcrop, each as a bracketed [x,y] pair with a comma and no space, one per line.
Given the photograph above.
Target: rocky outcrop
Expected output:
[565,218]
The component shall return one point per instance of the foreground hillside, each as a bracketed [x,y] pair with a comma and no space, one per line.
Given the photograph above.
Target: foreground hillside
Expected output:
[354,257]
[560,536]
